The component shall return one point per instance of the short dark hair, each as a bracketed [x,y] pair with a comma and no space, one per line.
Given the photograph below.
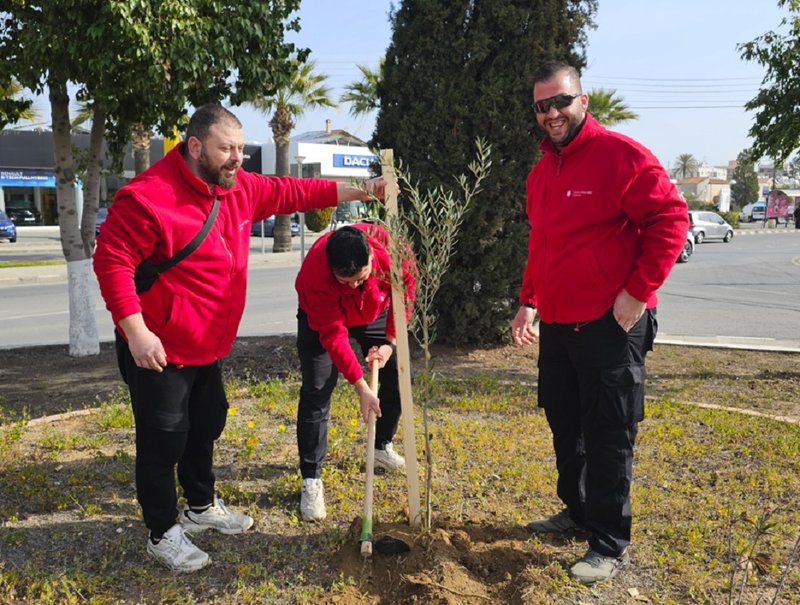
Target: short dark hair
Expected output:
[205,117]
[551,68]
[347,250]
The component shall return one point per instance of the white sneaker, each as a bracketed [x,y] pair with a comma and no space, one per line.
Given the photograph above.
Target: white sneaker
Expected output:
[312,500]
[389,459]
[218,517]
[176,551]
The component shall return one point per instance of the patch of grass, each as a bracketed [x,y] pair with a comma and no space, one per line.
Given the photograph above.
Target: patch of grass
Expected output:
[115,412]
[10,264]
[703,481]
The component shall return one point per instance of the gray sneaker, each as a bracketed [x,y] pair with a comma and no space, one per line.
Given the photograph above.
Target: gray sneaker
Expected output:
[177,552]
[218,517]
[595,567]
[560,523]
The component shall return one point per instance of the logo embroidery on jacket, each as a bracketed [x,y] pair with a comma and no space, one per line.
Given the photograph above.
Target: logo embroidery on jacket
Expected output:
[578,193]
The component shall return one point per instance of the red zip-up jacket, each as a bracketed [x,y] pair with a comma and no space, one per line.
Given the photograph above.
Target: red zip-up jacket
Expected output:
[332,307]
[194,307]
[604,217]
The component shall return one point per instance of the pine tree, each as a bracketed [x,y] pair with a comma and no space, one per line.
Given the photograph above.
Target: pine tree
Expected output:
[457,70]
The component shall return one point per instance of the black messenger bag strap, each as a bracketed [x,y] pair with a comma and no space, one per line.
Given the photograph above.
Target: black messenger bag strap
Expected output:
[194,244]
[147,273]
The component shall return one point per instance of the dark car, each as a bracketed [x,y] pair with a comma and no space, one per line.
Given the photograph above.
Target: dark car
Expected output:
[102,213]
[269,227]
[8,230]
[24,216]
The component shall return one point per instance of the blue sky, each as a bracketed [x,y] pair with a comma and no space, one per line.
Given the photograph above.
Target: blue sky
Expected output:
[674,62]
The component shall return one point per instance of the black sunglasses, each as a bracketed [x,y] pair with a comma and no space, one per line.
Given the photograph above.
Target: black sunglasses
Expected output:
[558,101]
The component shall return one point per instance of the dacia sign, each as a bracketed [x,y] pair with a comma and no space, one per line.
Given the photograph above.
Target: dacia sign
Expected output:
[341,160]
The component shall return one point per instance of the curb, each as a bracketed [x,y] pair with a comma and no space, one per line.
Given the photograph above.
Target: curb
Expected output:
[743,343]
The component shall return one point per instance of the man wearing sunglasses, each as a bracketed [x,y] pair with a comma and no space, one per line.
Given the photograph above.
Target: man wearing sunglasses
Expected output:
[606,227]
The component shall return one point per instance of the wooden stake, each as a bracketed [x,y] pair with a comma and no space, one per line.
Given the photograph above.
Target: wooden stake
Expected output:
[402,352]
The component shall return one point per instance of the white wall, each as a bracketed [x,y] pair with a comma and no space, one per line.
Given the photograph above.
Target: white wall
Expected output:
[327,156]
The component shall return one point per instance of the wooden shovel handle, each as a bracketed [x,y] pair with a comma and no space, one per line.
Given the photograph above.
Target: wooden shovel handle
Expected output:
[366,519]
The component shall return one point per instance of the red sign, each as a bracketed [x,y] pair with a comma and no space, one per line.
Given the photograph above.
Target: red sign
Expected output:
[778,204]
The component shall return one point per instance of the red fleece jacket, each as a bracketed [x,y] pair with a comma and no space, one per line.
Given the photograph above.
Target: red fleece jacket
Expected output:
[194,307]
[604,217]
[332,307]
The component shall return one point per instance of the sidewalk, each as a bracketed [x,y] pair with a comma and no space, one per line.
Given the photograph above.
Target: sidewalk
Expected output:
[44,242]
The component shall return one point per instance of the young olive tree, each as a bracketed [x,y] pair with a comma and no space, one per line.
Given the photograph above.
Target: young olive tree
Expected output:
[426,228]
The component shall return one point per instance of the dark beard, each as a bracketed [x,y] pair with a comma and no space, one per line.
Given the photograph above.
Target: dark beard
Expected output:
[213,176]
[573,132]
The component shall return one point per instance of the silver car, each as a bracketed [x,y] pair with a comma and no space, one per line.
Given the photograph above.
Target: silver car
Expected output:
[688,248]
[709,225]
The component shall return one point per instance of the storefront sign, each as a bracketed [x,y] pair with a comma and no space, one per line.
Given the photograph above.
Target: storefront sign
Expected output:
[341,160]
[26,178]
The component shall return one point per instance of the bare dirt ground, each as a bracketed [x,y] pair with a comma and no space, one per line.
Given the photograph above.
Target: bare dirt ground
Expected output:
[457,563]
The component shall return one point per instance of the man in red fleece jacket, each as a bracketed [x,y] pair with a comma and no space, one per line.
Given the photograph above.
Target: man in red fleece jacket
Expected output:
[344,290]
[171,338]
[606,228]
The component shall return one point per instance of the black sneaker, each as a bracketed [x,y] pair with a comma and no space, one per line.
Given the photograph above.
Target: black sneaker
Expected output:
[560,523]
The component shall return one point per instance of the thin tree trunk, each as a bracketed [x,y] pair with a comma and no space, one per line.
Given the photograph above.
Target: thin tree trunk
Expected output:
[83,338]
[94,171]
[282,125]
[140,141]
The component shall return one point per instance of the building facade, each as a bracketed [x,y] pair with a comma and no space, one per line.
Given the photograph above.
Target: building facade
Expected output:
[28,181]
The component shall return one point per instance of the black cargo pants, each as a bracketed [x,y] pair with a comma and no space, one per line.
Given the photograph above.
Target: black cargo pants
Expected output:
[320,376]
[591,386]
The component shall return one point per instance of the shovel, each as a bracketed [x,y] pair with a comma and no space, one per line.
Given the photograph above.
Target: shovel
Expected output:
[366,519]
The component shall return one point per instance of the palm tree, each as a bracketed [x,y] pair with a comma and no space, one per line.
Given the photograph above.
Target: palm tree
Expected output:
[685,165]
[363,94]
[11,90]
[609,109]
[305,90]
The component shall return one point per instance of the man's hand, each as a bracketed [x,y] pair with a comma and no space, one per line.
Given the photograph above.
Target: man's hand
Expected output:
[146,348]
[376,187]
[369,400]
[522,327]
[628,310]
[381,353]
[369,189]
[147,351]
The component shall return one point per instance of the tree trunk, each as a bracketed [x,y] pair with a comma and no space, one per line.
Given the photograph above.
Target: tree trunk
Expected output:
[282,124]
[83,338]
[140,141]
[91,189]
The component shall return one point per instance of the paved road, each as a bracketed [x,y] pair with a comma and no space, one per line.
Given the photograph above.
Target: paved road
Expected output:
[744,294]
[746,289]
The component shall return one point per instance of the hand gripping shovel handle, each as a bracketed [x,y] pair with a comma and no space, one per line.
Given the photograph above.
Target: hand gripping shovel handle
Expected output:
[366,519]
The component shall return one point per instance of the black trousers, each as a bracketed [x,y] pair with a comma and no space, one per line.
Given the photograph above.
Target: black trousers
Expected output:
[591,386]
[179,413]
[319,379]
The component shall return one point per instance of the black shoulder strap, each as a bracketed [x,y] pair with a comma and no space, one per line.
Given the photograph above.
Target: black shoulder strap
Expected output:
[192,245]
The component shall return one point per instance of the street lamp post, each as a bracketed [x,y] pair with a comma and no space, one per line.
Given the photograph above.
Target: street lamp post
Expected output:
[300,159]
